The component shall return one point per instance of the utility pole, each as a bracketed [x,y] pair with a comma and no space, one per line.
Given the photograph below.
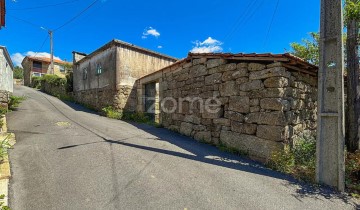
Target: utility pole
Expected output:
[51,52]
[330,168]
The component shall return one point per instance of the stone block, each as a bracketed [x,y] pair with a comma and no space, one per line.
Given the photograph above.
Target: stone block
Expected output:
[242,66]
[266,118]
[275,104]
[211,63]
[255,146]
[276,64]
[213,114]
[276,82]
[213,79]
[229,89]
[256,67]
[273,72]
[182,77]
[242,80]
[252,85]
[255,109]
[243,127]
[239,104]
[268,93]
[192,119]
[273,133]
[198,70]
[203,136]
[254,102]
[232,75]
[234,116]
[199,128]
[186,128]
[222,121]
[198,61]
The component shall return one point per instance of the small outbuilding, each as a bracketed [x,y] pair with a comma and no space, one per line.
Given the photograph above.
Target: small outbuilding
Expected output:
[6,77]
[106,77]
[255,103]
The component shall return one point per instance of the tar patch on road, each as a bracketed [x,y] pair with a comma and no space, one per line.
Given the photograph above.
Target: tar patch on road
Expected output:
[63,124]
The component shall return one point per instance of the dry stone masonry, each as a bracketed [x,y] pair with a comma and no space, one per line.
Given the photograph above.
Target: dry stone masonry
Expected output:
[263,105]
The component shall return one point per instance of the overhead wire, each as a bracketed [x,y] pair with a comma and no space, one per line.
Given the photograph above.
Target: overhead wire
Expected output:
[44,6]
[42,45]
[25,21]
[241,16]
[271,23]
[76,16]
[247,15]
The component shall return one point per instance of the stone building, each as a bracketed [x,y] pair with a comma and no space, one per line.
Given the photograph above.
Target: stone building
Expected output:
[6,76]
[255,103]
[107,76]
[39,66]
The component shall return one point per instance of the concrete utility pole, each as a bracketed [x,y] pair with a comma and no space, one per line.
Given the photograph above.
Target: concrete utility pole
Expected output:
[330,169]
[51,52]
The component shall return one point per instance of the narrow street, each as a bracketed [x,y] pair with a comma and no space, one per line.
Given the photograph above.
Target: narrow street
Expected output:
[67,157]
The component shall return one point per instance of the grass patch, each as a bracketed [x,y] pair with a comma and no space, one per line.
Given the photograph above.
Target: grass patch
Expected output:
[15,101]
[298,160]
[4,146]
[2,197]
[138,117]
[352,172]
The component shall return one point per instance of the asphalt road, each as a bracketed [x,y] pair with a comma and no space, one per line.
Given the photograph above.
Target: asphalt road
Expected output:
[67,157]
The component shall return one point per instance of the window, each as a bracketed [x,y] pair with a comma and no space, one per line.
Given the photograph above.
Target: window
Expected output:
[37,64]
[98,69]
[85,73]
[62,69]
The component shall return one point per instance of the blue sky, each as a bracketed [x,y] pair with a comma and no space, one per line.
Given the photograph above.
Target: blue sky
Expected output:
[170,27]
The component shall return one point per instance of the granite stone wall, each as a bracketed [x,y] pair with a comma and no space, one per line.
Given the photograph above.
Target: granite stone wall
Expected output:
[4,98]
[259,107]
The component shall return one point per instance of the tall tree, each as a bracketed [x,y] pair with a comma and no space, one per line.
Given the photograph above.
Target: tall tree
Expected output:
[18,72]
[308,49]
[352,17]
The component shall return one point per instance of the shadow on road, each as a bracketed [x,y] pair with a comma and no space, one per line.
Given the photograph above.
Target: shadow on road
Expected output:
[211,155]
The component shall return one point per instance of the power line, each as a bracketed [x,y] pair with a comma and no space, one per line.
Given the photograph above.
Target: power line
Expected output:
[76,16]
[45,6]
[25,21]
[271,22]
[42,45]
[247,16]
[239,19]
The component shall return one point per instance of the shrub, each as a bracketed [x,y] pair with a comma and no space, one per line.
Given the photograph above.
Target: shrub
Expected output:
[15,101]
[4,146]
[3,110]
[352,168]
[36,82]
[299,160]
[139,117]
[283,161]
[110,112]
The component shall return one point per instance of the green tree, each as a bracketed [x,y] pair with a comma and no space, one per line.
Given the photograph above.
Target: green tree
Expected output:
[352,20]
[308,49]
[18,73]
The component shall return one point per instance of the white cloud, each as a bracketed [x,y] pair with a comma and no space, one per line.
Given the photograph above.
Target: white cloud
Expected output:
[160,47]
[209,45]
[150,32]
[17,58]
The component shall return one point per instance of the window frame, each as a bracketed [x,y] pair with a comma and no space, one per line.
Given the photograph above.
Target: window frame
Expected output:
[98,69]
[85,73]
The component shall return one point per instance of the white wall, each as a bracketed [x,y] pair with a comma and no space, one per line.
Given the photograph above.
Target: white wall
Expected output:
[6,73]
